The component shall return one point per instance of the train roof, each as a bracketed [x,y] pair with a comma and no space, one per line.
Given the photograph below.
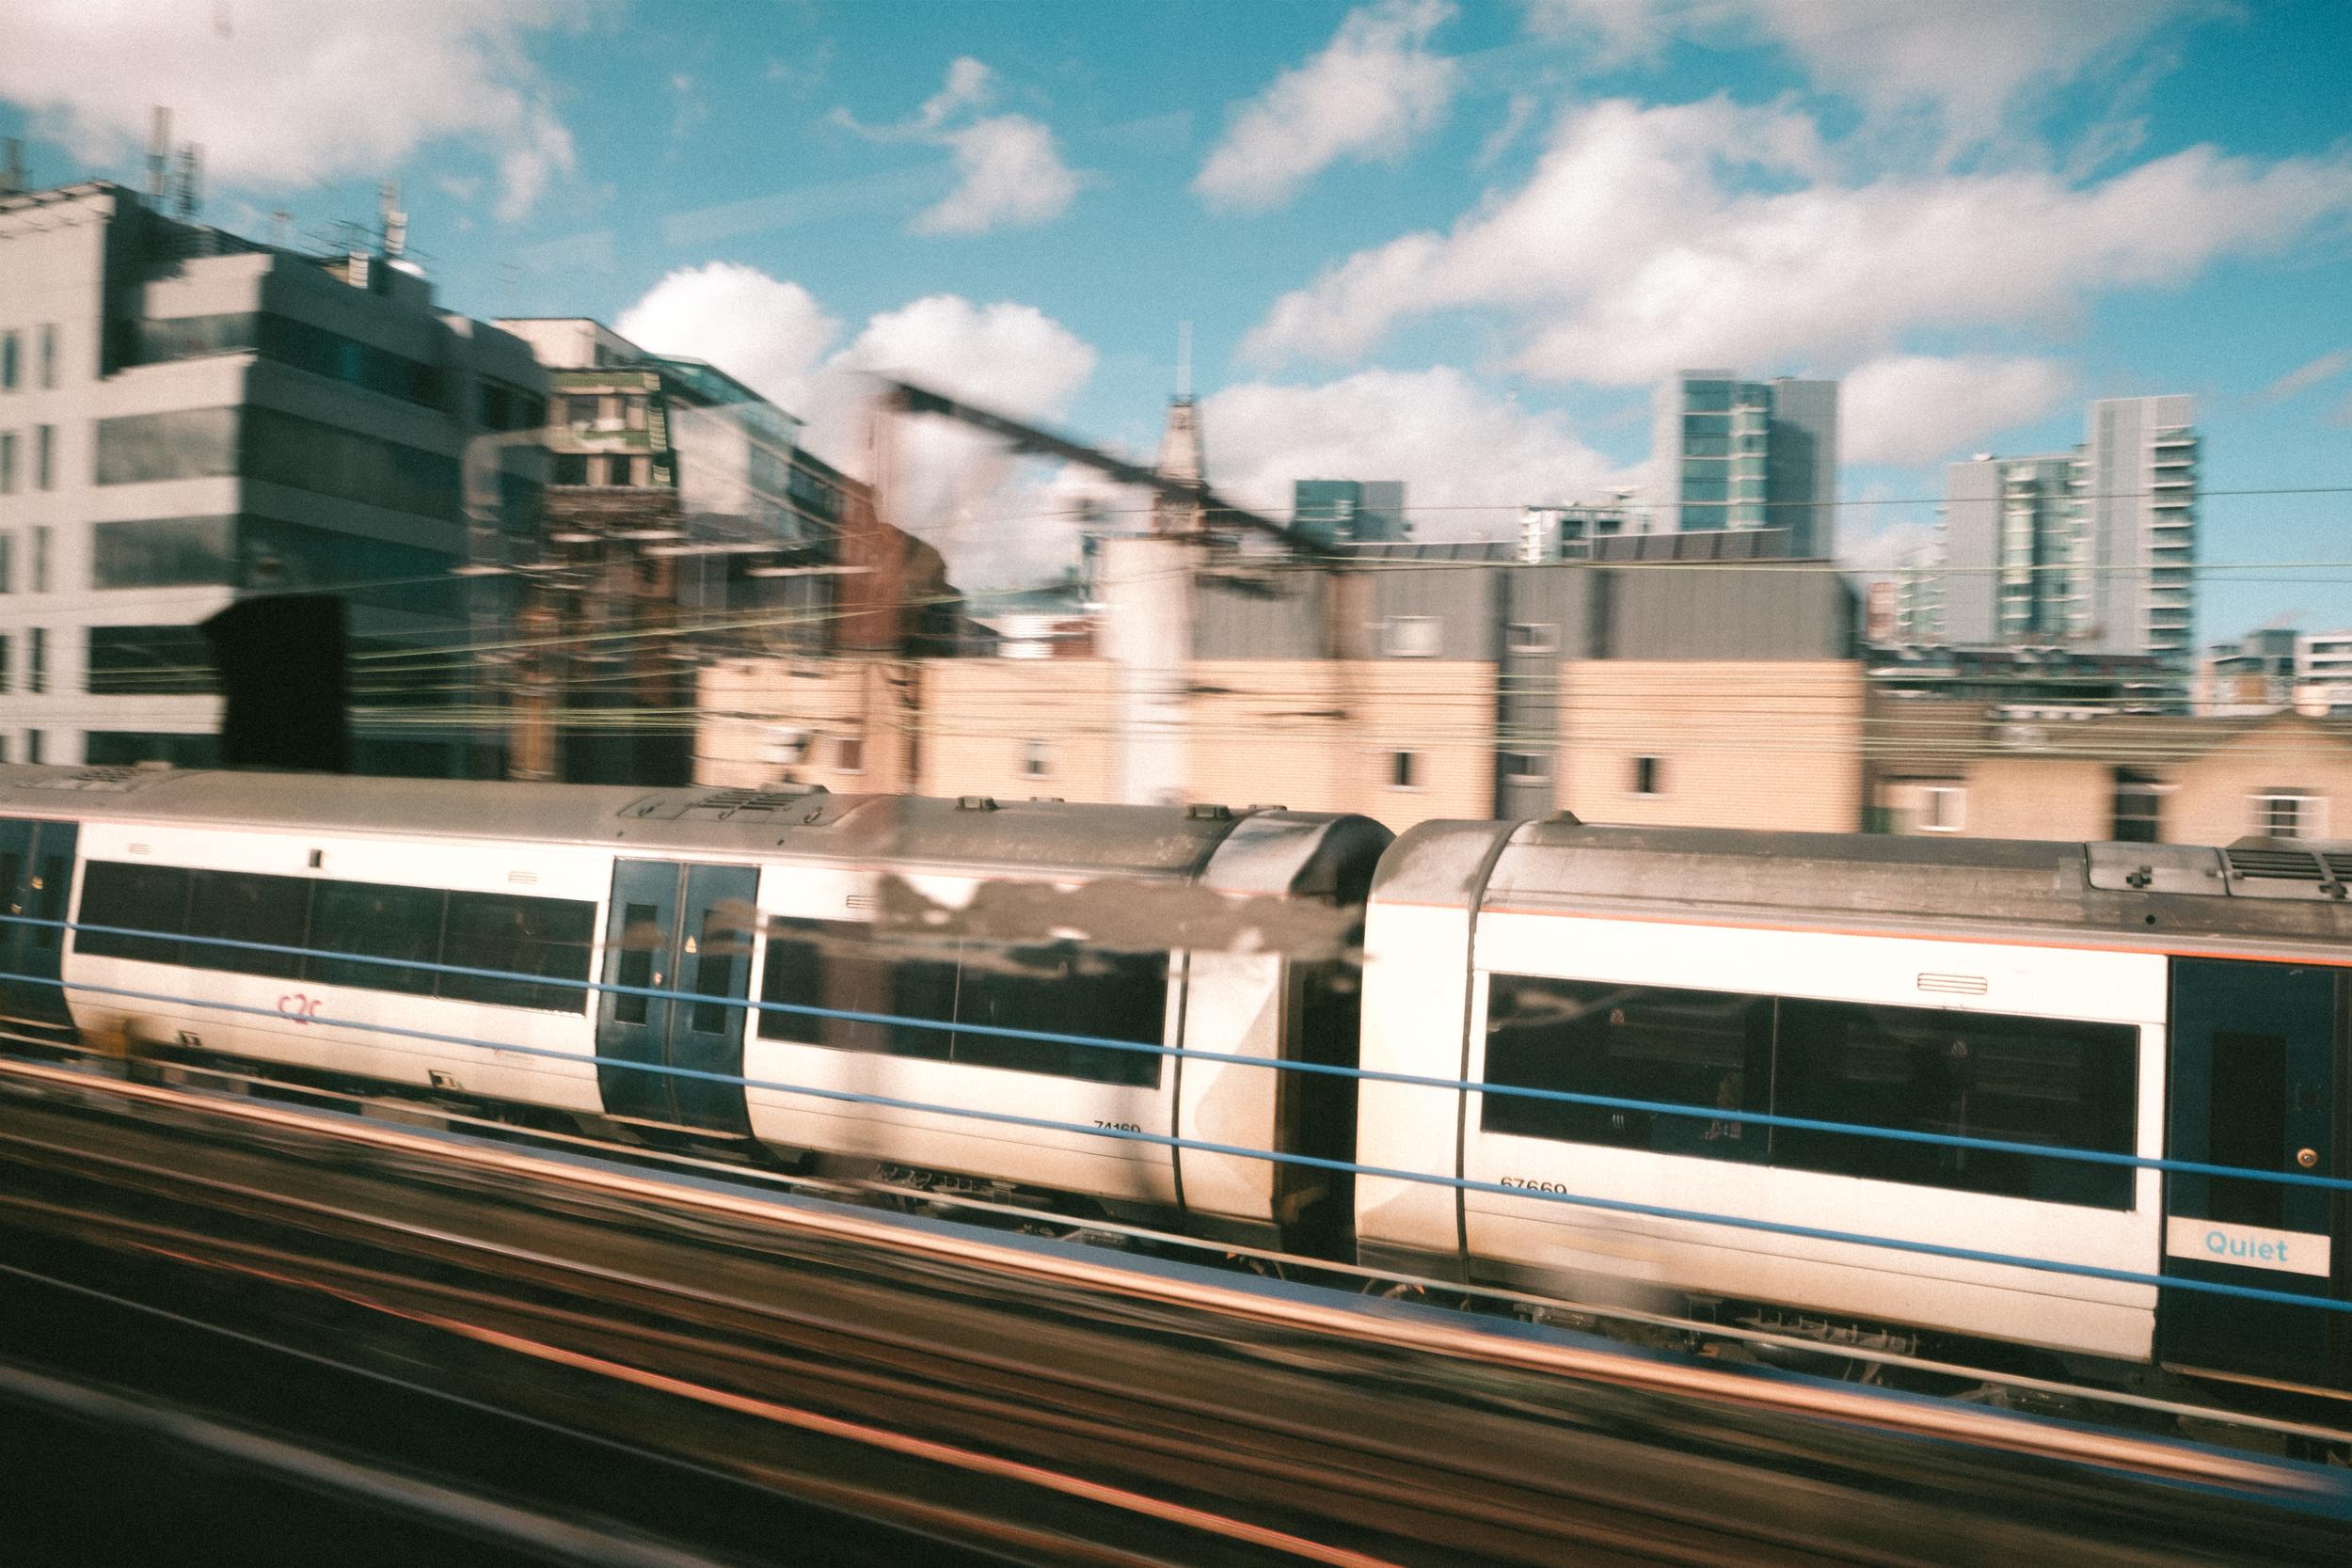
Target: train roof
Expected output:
[1044,836]
[2256,892]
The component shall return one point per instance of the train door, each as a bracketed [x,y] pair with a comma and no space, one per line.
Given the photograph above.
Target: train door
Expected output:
[683,928]
[35,874]
[2259,1082]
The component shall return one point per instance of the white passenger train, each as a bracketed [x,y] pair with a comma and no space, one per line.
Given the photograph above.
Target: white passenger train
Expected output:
[2143,1000]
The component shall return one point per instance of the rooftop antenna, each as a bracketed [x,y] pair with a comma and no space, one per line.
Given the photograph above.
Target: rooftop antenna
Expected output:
[159,153]
[394,233]
[189,194]
[280,228]
[11,167]
[1183,361]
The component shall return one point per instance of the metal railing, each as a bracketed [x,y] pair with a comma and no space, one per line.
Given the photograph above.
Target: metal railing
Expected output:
[1173,1141]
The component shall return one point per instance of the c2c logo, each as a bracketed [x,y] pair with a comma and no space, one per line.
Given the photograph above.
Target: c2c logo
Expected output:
[301,1008]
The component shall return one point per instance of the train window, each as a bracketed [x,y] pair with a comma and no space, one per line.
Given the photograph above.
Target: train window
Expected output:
[640,936]
[2057,1083]
[922,996]
[723,942]
[56,876]
[241,907]
[151,901]
[372,921]
[1061,988]
[837,966]
[924,982]
[1704,1049]
[539,946]
[794,975]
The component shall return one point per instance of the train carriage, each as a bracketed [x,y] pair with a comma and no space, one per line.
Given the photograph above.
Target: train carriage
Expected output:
[2134,1000]
[597,952]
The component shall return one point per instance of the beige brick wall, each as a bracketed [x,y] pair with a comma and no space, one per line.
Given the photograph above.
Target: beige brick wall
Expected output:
[982,716]
[2046,798]
[853,712]
[1741,744]
[1324,735]
[2210,802]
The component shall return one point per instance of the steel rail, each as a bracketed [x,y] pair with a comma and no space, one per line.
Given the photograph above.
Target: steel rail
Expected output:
[919,1352]
[1850,1406]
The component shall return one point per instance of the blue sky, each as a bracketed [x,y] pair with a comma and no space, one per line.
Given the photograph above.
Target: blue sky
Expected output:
[1456,244]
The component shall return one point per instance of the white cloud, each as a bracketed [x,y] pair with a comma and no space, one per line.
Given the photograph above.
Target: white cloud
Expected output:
[1468,458]
[1967,62]
[1708,232]
[961,490]
[1917,408]
[285,92]
[766,332]
[2306,377]
[1366,96]
[1008,168]
[1010,176]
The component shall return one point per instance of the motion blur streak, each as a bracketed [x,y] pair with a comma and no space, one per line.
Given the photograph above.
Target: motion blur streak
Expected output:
[1920,1418]
[1117,1412]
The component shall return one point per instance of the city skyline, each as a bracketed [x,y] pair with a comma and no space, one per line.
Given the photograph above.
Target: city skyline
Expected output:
[1387,225]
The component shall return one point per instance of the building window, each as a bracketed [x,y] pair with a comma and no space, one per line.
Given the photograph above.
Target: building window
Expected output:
[2287,814]
[1036,759]
[580,413]
[8,361]
[37,669]
[4,663]
[848,754]
[40,559]
[1531,637]
[1943,808]
[187,443]
[49,355]
[1649,775]
[1415,636]
[570,469]
[150,660]
[8,462]
[616,470]
[44,456]
[1405,771]
[32,747]
[2139,807]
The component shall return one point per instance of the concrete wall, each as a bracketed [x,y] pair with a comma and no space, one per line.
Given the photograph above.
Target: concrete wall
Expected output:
[1740,744]
[2211,802]
[750,709]
[981,718]
[1324,737]
[2067,799]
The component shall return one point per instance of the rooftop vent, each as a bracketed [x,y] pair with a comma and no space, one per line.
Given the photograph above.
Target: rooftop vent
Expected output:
[106,780]
[2266,868]
[723,805]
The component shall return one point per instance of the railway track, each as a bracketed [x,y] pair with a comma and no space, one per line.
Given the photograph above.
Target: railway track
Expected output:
[867,1367]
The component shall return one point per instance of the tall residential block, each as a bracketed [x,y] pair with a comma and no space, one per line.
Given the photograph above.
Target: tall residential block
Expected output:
[188,419]
[2137,482]
[2009,542]
[1729,453]
[2093,550]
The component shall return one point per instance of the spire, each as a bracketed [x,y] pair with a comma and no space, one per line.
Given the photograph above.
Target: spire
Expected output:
[1181,458]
